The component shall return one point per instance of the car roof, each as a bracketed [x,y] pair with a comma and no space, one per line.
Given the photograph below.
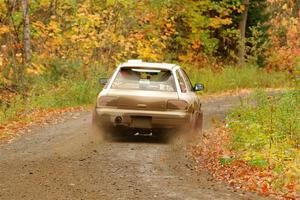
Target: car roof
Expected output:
[140,63]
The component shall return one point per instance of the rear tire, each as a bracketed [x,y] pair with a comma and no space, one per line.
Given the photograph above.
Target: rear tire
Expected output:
[162,134]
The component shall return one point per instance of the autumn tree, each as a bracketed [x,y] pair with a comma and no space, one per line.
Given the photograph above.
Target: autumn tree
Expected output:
[65,38]
[242,28]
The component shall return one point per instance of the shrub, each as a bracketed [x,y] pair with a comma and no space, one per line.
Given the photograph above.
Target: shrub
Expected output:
[266,132]
[47,94]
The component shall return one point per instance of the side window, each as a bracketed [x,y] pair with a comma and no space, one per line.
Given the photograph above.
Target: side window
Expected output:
[187,80]
[181,82]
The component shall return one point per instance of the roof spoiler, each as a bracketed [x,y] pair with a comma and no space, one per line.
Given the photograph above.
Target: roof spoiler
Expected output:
[135,61]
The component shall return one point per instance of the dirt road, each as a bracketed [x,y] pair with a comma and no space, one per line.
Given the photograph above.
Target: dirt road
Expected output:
[65,162]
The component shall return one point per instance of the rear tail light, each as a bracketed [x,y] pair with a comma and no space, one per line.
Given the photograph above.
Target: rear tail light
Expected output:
[107,101]
[177,105]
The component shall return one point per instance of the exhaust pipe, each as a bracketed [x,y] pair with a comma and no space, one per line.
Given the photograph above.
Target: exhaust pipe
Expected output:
[118,120]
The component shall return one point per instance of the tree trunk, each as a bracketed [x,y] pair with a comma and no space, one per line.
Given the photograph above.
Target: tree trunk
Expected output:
[296,8]
[10,5]
[26,32]
[242,28]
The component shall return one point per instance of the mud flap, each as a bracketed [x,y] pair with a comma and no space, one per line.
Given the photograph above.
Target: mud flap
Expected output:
[197,124]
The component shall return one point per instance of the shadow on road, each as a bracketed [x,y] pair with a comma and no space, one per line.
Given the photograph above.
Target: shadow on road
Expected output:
[139,139]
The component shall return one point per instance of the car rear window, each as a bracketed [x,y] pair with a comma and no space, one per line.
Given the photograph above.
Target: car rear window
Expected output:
[137,78]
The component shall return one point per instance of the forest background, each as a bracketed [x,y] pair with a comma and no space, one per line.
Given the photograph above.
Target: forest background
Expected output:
[52,53]
[45,43]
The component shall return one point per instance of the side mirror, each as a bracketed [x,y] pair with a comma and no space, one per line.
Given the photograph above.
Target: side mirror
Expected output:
[103,81]
[198,87]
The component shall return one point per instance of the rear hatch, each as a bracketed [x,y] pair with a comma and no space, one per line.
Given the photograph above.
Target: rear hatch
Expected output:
[142,88]
[142,100]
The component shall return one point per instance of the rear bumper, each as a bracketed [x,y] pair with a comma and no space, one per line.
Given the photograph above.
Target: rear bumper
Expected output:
[157,119]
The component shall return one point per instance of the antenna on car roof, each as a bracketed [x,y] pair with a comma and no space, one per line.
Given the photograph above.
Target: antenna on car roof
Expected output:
[134,61]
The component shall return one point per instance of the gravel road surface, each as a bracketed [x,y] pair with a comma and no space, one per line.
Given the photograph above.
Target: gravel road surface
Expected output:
[66,161]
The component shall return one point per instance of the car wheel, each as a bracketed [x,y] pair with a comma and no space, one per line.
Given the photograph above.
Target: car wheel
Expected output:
[162,134]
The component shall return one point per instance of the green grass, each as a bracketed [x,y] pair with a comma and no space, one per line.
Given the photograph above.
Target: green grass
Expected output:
[65,93]
[232,78]
[45,93]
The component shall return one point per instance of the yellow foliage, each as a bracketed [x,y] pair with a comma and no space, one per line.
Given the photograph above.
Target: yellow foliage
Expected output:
[147,52]
[4,29]
[1,62]
[217,22]
[35,69]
